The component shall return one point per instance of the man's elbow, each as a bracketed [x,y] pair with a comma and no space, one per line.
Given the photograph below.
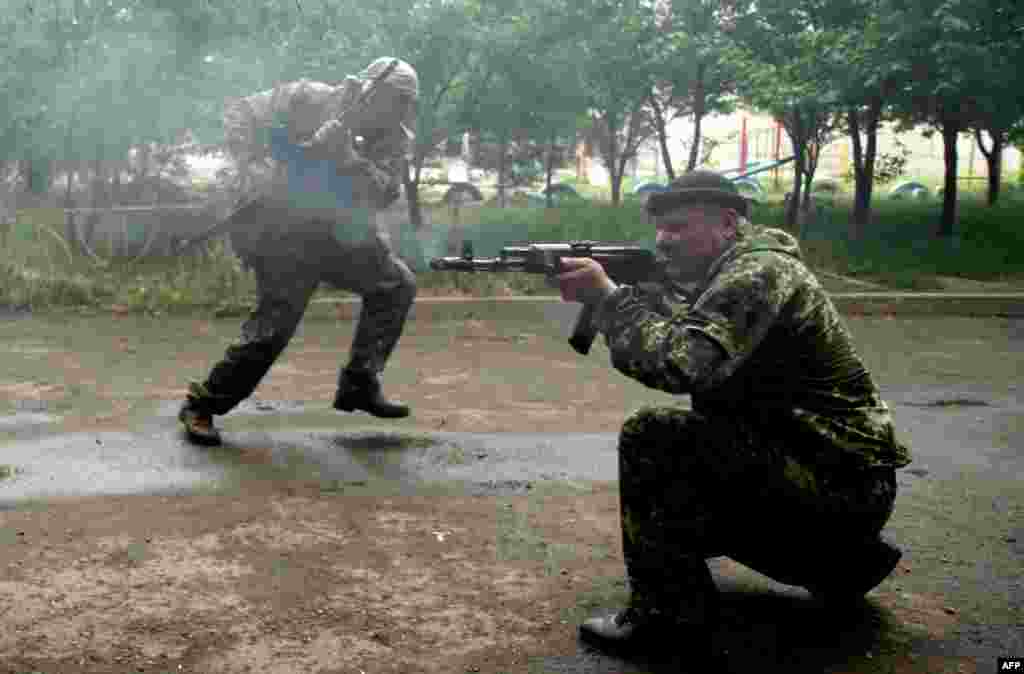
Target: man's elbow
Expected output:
[662,376]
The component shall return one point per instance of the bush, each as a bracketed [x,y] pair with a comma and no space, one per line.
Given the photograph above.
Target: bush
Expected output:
[888,165]
[899,248]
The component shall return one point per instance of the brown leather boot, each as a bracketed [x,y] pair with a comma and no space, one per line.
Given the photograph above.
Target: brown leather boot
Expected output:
[199,426]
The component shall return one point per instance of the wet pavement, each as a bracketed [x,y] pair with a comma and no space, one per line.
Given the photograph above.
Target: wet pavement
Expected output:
[960,408]
[949,428]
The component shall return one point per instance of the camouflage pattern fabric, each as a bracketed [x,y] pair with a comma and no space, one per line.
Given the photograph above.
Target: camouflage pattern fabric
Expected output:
[787,424]
[286,283]
[695,486]
[304,111]
[782,355]
[322,230]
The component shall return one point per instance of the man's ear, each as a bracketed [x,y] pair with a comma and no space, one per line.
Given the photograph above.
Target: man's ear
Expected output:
[730,219]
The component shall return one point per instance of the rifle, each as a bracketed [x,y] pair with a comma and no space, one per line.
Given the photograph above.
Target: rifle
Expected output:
[286,152]
[624,262]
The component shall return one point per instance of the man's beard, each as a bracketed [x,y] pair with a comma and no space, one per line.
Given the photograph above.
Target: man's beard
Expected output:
[677,265]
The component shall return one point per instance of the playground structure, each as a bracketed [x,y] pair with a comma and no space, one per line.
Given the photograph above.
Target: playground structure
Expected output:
[747,137]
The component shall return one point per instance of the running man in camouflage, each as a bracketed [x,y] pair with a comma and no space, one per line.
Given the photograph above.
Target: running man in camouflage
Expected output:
[787,460]
[316,163]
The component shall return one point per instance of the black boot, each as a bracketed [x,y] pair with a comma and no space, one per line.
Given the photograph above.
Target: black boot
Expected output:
[864,565]
[629,631]
[361,390]
[198,424]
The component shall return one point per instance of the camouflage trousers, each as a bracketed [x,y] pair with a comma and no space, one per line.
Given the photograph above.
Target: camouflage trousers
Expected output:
[695,486]
[289,266]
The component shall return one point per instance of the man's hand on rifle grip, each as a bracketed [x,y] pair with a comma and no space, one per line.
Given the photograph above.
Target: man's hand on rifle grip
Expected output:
[584,280]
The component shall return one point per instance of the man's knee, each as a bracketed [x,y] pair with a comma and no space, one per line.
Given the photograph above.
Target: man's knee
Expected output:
[397,288]
[657,421]
[273,322]
[654,433]
[262,349]
[407,280]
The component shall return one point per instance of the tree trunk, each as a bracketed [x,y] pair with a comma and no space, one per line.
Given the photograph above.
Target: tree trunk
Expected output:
[69,229]
[115,187]
[811,155]
[549,167]
[861,202]
[25,171]
[412,194]
[142,159]
[502,149]
[797,136]
[67,189]
[863,165]
[994,159]
[611,155]
[97,185]
[661,126]
[950,131]
[698,116]
[617,183]
[793,206]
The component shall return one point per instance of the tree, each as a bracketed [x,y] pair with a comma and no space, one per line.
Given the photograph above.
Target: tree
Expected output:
[560,90]
[777,52]
[503,89]
[867,74]
[95,79]
[949,48]
[617,54]
[440,39]
[997,83]
[694,73]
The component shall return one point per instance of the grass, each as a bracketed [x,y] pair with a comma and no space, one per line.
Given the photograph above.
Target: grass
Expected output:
[40,270]
[899,249]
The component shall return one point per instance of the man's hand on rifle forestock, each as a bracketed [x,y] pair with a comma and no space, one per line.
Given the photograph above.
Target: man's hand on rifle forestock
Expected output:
[584,281]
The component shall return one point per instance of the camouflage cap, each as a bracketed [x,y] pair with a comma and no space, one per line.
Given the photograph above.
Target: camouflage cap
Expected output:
[697,187]
[403,77]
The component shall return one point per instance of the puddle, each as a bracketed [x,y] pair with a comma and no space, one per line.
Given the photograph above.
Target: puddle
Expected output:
[251,406]
[26,419]
[952,402]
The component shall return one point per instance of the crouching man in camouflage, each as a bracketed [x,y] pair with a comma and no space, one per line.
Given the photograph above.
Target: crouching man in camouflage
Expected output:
[786,462]
[317,163]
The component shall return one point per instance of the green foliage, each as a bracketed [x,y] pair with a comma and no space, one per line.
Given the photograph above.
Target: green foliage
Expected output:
[522,99]
[690,59]
[888,165]
[901,247]
[83,81]
[899,251]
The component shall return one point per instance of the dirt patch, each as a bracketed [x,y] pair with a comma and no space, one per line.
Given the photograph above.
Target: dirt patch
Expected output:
[279,582]
[291,577]
[454,375]
[30,390]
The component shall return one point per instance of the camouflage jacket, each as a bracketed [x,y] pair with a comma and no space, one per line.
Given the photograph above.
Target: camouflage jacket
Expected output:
[302,108]
[759,337]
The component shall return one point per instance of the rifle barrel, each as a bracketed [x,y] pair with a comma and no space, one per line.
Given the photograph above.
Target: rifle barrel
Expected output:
[472,264]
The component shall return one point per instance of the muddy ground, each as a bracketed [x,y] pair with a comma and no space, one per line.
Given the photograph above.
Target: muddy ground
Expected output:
[292,563]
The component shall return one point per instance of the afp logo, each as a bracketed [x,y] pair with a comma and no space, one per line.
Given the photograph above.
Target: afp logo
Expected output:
[1015,665]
